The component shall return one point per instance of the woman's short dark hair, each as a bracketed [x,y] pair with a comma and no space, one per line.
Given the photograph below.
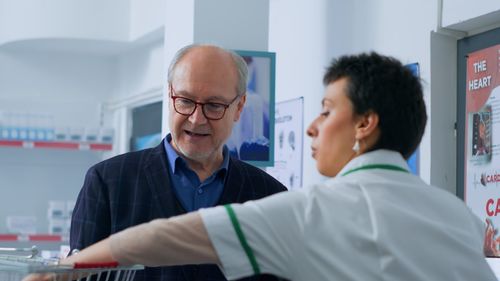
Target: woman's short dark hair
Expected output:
[383,85]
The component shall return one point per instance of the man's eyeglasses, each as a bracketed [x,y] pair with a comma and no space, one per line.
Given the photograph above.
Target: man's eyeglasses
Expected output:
[211,110]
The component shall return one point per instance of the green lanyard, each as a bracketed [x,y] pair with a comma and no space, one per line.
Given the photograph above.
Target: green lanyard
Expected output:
[376,166]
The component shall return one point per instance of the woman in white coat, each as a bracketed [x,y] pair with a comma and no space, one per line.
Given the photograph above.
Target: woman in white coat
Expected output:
[372,220]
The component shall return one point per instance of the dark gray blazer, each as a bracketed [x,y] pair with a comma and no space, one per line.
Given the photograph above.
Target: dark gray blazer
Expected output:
[135,187]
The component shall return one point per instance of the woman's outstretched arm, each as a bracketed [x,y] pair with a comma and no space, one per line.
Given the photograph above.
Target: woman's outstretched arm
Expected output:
[178,240]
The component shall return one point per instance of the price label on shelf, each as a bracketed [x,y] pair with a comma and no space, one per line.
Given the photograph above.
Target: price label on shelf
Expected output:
[28,144]
[84,146]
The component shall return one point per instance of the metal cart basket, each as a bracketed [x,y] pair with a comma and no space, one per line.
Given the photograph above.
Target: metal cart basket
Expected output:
[14,267]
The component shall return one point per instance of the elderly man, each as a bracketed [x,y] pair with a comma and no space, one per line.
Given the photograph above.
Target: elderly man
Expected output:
[189,170]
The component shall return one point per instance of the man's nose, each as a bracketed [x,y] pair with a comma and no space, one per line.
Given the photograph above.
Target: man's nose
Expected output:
[198,117]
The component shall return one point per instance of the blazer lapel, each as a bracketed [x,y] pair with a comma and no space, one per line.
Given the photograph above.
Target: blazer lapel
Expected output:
[234,185]
[158,177]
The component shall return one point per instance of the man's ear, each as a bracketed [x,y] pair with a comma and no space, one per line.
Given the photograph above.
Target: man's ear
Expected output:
[367,126]
[239,109]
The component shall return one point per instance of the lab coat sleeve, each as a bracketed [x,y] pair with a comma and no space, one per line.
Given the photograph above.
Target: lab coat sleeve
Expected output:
[174,241]
[263,236]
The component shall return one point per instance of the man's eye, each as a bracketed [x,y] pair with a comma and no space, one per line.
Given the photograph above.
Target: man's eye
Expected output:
[325,113]
[184,102]
[214,106]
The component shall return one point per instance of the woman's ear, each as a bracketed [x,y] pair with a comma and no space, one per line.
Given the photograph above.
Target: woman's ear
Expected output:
[367,126]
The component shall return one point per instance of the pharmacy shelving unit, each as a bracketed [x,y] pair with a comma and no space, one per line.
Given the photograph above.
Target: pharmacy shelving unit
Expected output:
[32,238]
[43,241]
[57,145]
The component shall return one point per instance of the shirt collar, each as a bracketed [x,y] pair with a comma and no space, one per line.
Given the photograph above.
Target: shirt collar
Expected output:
[381,156]
[172,157]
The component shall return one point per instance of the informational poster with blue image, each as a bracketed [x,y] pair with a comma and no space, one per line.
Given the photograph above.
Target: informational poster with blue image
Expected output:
[252,138]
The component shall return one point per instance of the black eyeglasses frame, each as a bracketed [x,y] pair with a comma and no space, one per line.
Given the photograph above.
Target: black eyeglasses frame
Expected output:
[174,97]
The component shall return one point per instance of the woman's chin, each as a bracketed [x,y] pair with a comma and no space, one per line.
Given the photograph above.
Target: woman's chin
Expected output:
[327,172]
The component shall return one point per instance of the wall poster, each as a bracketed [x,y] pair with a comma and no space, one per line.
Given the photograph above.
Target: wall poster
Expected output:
[252,138]
[289,132]
[482,134]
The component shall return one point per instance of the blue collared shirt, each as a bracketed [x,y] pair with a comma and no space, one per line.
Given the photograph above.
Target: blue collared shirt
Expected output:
[192,193]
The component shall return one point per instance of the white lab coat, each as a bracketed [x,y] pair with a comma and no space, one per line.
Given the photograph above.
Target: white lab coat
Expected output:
[374,223]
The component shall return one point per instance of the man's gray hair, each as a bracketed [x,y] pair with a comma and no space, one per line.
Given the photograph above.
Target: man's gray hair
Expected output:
[239,63]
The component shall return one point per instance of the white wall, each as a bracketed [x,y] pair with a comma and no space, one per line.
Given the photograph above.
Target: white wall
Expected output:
[112,20]
[69,87]
[140,70]
[306,36]
[140,78]
[397,28]
[145,17]
[298,33]
[93,19]
[444,110]
[239,24]
[457,11]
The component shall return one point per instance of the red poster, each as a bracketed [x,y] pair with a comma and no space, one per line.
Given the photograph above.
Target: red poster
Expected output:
[482,131]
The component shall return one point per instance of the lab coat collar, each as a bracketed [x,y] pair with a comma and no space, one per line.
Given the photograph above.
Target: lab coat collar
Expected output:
[381,156]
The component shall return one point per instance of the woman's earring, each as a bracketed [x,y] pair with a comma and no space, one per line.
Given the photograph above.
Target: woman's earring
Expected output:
[356,146]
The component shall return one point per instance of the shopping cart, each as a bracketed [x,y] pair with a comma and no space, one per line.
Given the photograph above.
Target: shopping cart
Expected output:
[15,266]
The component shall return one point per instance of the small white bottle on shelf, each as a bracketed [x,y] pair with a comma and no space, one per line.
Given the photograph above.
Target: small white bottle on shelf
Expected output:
[76,134]
[61,134]
[57,226]
[91,135]
[70,205]
[106,135]
[56,210]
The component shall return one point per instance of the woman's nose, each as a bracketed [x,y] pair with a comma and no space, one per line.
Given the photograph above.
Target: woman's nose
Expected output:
[311,130]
